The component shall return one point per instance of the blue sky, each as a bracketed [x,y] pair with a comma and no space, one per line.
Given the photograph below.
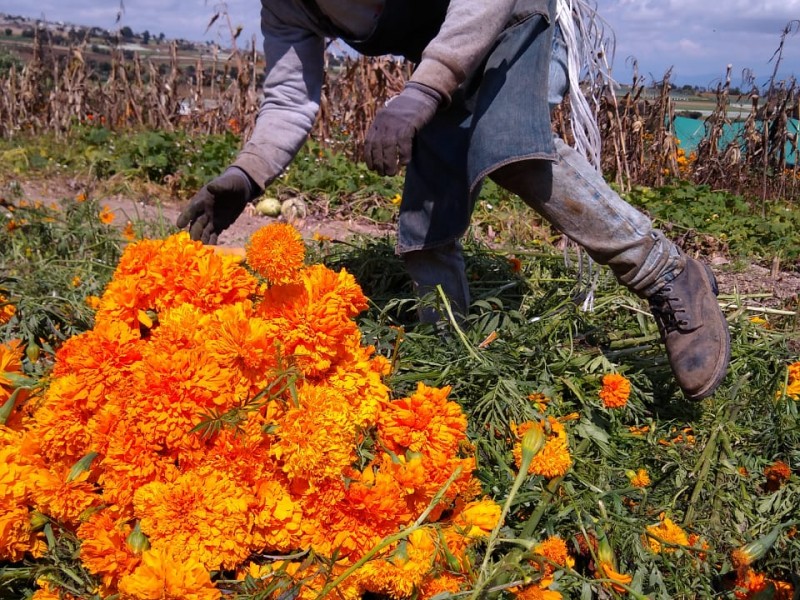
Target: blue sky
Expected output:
[697,38]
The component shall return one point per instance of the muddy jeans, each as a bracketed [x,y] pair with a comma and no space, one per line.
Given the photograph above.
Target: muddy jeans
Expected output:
[574,198]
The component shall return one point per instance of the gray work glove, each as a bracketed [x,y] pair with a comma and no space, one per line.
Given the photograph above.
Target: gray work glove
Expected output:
[217,205]
[391,136]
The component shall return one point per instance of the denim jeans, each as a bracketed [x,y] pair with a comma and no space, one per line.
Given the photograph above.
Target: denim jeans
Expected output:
[495,129]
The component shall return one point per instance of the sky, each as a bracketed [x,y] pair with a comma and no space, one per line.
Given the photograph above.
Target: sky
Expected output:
[697,39]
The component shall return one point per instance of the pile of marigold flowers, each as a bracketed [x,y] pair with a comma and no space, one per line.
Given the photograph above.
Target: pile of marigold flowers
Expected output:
[223,421]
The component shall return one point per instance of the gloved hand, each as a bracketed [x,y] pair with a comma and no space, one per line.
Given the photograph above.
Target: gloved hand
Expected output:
[217,205]
[389,139]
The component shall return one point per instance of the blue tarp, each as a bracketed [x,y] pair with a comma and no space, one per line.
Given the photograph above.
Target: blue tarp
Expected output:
[690,132]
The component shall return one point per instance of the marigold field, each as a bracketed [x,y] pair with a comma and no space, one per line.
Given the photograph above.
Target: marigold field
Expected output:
[183,422]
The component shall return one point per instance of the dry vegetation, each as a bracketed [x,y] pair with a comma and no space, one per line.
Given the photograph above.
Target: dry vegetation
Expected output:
[53,91]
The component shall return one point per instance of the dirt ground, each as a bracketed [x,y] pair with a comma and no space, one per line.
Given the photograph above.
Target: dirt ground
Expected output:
[752,285]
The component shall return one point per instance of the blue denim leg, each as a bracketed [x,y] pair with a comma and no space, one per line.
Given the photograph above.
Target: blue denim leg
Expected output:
[585,208]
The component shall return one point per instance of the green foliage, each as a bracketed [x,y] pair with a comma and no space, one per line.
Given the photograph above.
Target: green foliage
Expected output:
[740,227]
[52,257]
[706,459]
[185,162]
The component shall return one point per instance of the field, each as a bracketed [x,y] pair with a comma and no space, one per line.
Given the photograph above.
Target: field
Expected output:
[267,420]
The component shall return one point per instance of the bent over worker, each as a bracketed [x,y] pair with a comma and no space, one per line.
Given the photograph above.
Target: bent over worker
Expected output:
[476,106]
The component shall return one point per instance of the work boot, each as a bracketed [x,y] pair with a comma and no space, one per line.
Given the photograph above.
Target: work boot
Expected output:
[693,329]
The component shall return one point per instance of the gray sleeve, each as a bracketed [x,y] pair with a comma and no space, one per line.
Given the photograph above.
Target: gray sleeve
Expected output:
[469,30]
[292,90]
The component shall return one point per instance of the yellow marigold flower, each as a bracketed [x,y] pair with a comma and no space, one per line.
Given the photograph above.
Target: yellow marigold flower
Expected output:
[666,531]
[107,215]
[7,309]
[315,438]
[478,519]
[276,252]
[615,391]
[640,478]
[554,459]
[163,575]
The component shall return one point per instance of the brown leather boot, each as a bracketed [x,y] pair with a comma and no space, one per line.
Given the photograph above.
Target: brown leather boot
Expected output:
[693,329]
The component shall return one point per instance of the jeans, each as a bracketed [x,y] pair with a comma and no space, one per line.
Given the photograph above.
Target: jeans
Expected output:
[571,195]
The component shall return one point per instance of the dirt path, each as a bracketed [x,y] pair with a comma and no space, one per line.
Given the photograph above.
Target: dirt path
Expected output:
[756,286]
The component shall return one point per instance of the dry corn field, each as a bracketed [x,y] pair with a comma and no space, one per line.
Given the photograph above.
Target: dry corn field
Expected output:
[54,90]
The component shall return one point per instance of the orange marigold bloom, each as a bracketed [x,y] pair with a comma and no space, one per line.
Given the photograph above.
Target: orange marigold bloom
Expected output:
[104,551]
[640,478]
[554,459]
[49,591]
[276,252]
[106,215]
[128,232]
[555,550]
[666,531]
[439,583]
[16,537]
[606,570]
[425,422]
[7,309]
[777,474]
[166,576]
[201,515]
[615,391]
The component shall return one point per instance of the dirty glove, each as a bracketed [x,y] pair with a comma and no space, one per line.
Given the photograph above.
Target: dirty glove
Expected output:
[389,139]
[217,205]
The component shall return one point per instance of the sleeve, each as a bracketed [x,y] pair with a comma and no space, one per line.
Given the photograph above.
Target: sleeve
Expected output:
[292,90]
[468,32]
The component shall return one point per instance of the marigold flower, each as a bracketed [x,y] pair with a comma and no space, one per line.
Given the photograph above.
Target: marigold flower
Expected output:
[555,550]
[276,252]
[106,215]
[615,391]
[128,232]
[664,536]
[640,478]
[16,536]
[554,459]
[777,474]
[7,310]
[103,549]
[165,576]
[606,570]
[183,514]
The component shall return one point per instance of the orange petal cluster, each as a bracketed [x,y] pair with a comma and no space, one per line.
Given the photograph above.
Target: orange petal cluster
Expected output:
[615,391]
[209,417]
[554,459]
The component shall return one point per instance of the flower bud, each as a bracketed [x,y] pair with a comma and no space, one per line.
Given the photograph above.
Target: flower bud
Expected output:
[137,541]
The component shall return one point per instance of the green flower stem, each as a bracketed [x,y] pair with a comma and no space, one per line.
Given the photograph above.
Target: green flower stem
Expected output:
[549,494]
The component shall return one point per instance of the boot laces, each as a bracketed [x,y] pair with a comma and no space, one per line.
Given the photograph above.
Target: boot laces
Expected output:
[668,311]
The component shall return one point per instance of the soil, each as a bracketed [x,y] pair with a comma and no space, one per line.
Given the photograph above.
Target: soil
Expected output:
[757,287]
